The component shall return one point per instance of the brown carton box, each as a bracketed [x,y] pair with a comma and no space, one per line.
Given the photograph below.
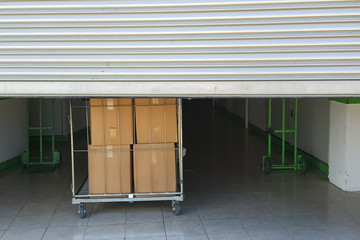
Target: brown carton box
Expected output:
[156,120]
[110,169]
[154,168]
[111,121]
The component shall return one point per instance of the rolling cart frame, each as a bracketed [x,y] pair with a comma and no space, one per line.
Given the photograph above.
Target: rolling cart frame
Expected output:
[299,161]
[174,197]
[41,159]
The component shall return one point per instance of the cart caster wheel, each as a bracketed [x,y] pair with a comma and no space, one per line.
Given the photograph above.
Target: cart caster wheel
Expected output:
[267,165]
[302,165]
[176,209]
[82,211]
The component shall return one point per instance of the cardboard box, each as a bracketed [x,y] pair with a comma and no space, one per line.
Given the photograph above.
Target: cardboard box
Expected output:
[154,168]
[156,120]
[110,170]
[111,121]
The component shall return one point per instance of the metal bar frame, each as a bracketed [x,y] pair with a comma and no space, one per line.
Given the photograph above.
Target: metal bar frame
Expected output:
[177,196]
[283,131]
[129,199]
[55,156]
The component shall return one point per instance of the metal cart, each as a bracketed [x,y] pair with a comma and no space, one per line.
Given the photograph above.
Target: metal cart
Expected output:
[81,196]
[299,163]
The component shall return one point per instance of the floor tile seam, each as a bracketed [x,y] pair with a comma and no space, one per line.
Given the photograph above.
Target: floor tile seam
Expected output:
[1,235]
[349,214]
[45,231]
[305,229]
[23,206]
[247,232]
[87,222]
[103,225]
[162,214]
[202,224]
[292,236]
[127,223]
[233,231]
[17,228]
[346,215]
[83,238]
[286,227]
[124,224]
[321,222]
[8,227]
[286,215]
[279,227]
[191,235]
[333,237]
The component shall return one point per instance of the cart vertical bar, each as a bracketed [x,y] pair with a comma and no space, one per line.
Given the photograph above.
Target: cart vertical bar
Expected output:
[87,122]
[246,113]
[269,128]
[283,133]
[40,129]
[179,103]
[27,156]
[295,134]
[72,151]
[53,132]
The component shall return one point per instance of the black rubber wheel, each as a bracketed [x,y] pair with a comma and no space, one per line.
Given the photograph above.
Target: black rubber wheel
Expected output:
[177,209]
[302,165]
[267,165]
[82,211]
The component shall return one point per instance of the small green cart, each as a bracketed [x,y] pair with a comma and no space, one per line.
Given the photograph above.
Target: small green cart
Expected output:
[299,163]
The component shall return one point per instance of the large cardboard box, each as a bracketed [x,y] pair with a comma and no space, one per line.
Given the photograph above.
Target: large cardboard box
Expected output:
[156,120]
[111,121]
[154,168]
[110,169]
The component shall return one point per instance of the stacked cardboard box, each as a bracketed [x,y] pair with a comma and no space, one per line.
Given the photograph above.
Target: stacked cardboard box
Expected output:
[111,121]
[110,169]
[156,120]
[110,158]
[154,153]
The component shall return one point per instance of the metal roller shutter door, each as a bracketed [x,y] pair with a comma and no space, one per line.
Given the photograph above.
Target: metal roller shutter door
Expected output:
[180,48]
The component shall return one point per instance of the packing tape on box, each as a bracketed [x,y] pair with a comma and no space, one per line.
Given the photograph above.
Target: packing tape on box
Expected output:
[153,157]
[154,101]
[109,152]
[113,132]
[110,104]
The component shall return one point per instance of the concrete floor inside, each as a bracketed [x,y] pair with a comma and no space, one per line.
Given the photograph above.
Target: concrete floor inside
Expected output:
[227,196]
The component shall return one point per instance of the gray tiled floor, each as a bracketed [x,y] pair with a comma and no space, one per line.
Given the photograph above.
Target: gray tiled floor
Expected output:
[227,197]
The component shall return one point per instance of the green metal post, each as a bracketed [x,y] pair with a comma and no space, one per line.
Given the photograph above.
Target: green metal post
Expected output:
[295,133]
[283,133]
[40,130]
[269,134]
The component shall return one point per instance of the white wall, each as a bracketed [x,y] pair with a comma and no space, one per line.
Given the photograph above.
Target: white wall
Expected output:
[12,128]
[344,148]
[313,124]
[353,148]
[313,120]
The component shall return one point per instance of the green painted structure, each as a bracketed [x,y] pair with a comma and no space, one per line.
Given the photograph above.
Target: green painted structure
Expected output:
[54,159]
[298,161]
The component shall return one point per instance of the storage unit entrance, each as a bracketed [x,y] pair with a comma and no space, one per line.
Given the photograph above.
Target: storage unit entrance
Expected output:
[233,52]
